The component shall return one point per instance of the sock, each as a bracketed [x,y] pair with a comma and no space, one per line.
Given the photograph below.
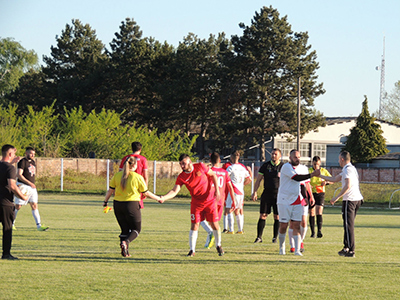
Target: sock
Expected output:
[239,222]
[303,231]
[297,242]
[312,224]
[276,228]
[260,227]
[225,222]
[291,240]
[15,215]
[242,222]
[133,235]
[217,235]
[36,216]
[282,237]
[206,226]
[319,222]
[231,225]
[193,239]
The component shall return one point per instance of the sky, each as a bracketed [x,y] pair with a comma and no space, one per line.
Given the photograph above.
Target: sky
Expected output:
[346,35]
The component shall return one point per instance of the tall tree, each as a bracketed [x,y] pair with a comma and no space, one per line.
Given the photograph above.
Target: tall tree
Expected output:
[391,105]
[15,60]
[366,140]
[268,60]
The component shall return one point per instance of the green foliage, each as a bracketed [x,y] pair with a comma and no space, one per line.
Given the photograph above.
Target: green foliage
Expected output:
[365,141]
[390,110]
[10,127]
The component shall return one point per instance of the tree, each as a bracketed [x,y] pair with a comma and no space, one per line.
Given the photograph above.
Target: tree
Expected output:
[267,62]
[390,110]
[15,60]
[365,141]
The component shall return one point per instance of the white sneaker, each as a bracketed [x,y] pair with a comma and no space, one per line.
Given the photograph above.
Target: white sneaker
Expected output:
[282,251]
[298,254]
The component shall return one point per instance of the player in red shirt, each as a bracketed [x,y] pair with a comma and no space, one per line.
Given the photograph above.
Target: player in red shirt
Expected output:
[200,181]
[141,165]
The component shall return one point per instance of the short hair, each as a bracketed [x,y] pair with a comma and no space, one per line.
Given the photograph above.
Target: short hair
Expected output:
[136,146]
[29,149]
[5,149]
[316,158]
[345,155]
[183,156]
[293,150]
[277,150]
[235,153]
[214,158]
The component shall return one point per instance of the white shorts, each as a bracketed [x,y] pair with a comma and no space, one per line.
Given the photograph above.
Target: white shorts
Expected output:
[289,212]
[305,210]
[238,203]
[33,196]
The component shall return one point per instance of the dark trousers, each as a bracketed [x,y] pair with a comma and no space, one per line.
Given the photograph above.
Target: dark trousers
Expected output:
[349,212]
[7,218]
[129,218]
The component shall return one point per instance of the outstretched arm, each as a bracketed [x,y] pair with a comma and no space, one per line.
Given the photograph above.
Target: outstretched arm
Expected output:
[171,194]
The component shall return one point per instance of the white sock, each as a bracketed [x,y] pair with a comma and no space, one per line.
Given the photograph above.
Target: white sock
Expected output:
[231,223]
[226,222]
[291,241]
[303,232]
[242,222]
[193,239]
[36,216]
[217,235]
[282,237]
[297,241]
[239,222]
[15,215]
[206,226]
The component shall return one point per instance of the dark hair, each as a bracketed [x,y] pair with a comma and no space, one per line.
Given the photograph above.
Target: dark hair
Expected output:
[277,150]
[316,158]
[345,155]
[183,156]
[235,153]
[214,158]
[136,146]
[126,170]
[5,149]
[29,149]
[293,150]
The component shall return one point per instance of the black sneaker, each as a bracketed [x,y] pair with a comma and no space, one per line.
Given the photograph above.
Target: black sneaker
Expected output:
[319,234]
[312,235]
[225,231]
[220,251]
[190,254]
[9,257]
[350,254]
[343,252]
[274,240]
[258,240]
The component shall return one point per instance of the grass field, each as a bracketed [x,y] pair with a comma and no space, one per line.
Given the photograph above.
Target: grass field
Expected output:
[79,257]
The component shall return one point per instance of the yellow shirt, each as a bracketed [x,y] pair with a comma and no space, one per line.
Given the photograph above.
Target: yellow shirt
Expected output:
[316,182]
[135,185]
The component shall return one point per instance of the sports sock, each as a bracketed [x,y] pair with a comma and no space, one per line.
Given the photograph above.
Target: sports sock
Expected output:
[282,237]
[132,236]
[239,222]
[276,228]
[226,222]
[231,225]
[193,239]
[15,215]
[303,232]
[297,242]
[36,216]
[291,241]
[206,226]
[312,224]
[319,222]
[260,227]
[217,235]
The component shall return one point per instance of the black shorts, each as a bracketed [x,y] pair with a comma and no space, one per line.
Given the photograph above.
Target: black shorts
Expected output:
[268,201]
[319,199]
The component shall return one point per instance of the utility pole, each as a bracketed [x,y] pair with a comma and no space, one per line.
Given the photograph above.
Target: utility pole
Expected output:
[298,114]
[382,87]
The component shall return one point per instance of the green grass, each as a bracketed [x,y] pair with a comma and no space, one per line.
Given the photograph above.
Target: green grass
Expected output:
[79,257]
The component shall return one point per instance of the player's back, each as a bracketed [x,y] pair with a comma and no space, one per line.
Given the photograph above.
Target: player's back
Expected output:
[238,173]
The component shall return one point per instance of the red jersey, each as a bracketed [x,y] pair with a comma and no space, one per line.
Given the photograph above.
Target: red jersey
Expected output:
[141,163]
[198,183]
[223,180]
[226,165]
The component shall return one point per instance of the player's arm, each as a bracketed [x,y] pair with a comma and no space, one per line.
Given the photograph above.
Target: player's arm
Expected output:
[22,179]
[152,196]
[310,193]
[146,176]
[298,177]
[214,179]
[109,193]
[231,191]
[171,194]
[16,191]
[344,190]
[337,178]
[260,177]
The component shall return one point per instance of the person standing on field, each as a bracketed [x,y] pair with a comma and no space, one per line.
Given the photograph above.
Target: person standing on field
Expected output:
[27,176]
[269,172]
[352,200]
[8,187]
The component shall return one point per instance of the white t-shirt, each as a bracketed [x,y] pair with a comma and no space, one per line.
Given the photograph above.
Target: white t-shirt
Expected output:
[238,173]
[353,194]
[289,189]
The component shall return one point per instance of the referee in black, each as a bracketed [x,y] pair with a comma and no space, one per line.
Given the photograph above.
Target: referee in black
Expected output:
[269,172]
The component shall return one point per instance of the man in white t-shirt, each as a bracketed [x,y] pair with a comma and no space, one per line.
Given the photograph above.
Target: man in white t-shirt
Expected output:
[290,201]
[352,200]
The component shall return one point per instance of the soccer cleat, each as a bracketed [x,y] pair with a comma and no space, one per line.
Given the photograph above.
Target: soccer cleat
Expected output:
[220,251]
[274,240]
[312,235]
[9,257]
[210,241]
[124,249]
[343,252]
[282,251]
[14,228]
[302,247]
[43,228]
[240,232]
[319,234]
[298,254]
[230,232]
[258,240]
[225,231]
[292,250]
[190,254]
[350,254]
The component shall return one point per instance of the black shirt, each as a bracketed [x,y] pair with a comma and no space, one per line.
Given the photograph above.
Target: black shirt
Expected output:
[270,172]
[29,169]
[7,171]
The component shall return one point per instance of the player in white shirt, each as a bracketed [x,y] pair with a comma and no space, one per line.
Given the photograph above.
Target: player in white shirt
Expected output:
[290,201]
[240,177]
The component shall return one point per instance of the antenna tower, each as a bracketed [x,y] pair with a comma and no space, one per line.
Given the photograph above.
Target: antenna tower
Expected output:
[382,89]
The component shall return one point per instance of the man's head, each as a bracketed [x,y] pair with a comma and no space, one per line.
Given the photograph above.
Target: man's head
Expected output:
[186,163]
[344,158]
[235,157]
[8,152]
[294,157]
[29,153]
[276,155]
[316,162]
[215,158]
[136,146]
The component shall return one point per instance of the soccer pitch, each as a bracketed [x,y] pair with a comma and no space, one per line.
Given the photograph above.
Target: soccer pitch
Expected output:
[79,257]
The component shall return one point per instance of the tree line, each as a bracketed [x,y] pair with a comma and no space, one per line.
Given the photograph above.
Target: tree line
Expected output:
[232,92]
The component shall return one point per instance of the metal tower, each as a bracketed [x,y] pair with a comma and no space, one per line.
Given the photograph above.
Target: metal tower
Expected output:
[382,89]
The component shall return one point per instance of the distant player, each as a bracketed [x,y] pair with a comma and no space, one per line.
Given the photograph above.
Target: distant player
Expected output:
[27,176]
